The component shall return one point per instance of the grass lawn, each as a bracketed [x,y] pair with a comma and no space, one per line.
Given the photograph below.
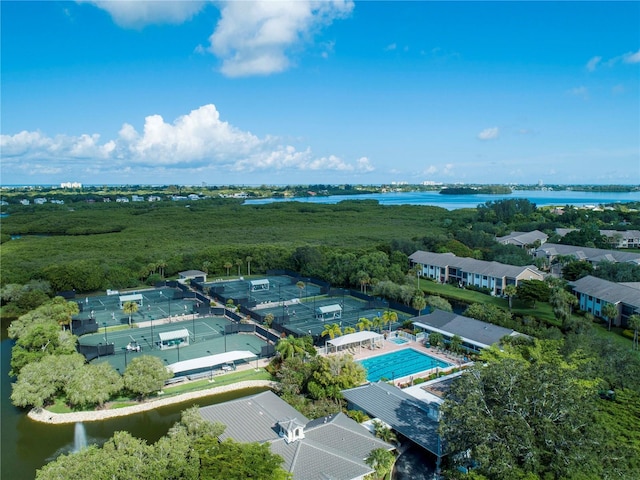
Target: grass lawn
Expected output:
[60,406]
[542,311]
[219,381]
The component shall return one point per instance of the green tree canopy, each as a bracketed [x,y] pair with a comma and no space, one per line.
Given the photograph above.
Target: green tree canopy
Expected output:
[145,375]
[524,411]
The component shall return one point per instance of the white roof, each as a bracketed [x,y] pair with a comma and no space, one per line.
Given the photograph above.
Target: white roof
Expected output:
[264,281]
[130,298]
[174,334]
[355,338]
[210,361]
[330,308]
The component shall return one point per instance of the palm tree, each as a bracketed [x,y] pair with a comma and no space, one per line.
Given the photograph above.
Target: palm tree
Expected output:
[239,264]
[268,319]
[455,343]
[389,316]
[610,311]
[377,324]
[383,432]
[364,324]
[248,259]
[332,330]
[634,323]
[348,330]
[205,266]
[381,461]
[130,308]
[228,266]
[419,302]
[300,286]
[162,265]
[289,347]
[510,291]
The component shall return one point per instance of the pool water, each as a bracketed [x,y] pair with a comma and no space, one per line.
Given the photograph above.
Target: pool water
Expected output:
[399,340]
[398,364]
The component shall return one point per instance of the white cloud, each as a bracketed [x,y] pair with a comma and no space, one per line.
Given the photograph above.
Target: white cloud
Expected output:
[593,63]
[489,133]
[137,13]
[581,91]
[256,38]
[197,140]
[390,47]
[631,57]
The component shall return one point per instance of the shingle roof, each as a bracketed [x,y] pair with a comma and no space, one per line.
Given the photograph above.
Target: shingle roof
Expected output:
[468,328]
[401,411]
[481,267]
[257,420]
[587,253]
[332,447]
[523,238]
[610,292]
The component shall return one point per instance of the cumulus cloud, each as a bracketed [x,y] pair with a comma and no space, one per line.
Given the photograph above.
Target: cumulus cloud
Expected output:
[197,140]
[390,47]
[137,14]
[489,133]
[256,38]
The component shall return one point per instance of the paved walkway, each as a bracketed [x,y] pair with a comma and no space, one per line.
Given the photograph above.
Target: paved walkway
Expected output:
[45,416]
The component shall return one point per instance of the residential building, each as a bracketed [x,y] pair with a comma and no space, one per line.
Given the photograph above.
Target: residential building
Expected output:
[475,334]
[551,251]
[526,240]
[594,293]
[332,447]
[616,238]
[495,276]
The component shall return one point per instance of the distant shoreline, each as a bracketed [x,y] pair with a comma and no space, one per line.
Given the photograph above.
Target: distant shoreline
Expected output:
[43,415]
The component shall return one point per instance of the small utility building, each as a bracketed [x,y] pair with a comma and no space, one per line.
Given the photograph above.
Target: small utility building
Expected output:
[257,285]
[329,312]
[174,338]
[134,297]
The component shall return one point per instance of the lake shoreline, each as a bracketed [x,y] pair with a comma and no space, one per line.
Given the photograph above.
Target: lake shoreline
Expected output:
[42,415]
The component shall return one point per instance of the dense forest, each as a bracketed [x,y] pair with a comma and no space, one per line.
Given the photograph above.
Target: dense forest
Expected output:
[90,246]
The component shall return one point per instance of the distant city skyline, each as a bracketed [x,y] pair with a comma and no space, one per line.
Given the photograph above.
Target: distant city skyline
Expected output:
[309,92]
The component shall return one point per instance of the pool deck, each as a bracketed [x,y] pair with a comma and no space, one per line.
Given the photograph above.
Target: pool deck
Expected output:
[361,353]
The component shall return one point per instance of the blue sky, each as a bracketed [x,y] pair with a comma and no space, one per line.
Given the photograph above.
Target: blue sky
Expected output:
[281,92]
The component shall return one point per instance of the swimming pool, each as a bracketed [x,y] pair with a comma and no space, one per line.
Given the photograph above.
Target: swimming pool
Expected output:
[399,340]
[400,363]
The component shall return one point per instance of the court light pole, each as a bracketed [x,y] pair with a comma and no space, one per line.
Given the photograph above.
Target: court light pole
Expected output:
[151,333]
[124,349]
[106,340]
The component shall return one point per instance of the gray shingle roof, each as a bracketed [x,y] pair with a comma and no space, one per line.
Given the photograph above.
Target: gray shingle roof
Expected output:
[466,327]
[610,292]
[523,238]
[332,448]
[401,411]
[471,265]
[258,418]
[587,253]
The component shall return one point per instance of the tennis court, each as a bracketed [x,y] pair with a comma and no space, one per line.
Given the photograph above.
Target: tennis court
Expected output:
[205,337]
[154,304]
[300,317]
[265,289]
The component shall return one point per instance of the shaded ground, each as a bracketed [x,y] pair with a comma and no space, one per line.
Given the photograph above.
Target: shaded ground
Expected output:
[414,464]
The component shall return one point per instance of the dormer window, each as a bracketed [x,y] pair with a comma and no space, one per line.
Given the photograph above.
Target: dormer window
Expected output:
[291,430]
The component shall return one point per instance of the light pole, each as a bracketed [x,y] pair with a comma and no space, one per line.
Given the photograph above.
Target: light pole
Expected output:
[124,349]
[178,345]
[106,340]
[193,323]
[151,333]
